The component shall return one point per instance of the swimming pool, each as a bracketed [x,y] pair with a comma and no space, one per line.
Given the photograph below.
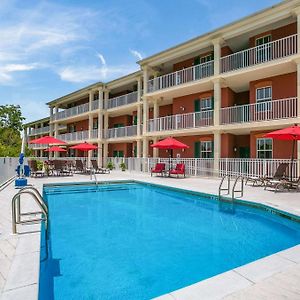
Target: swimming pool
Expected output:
[138,241]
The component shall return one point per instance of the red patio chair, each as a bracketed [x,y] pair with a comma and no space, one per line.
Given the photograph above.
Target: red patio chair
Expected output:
[179,170]
[158,169]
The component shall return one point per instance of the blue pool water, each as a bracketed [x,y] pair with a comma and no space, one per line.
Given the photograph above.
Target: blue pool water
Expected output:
[136,241]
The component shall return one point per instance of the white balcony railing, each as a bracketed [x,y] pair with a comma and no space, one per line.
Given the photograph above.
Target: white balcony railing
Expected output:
[36,131]
[126,131]
[94,134]
[74,136]
[264,111]
[182,76]
[182,121]
[95,104]
[73,111]
[122,100]
[274,50]
[38,146]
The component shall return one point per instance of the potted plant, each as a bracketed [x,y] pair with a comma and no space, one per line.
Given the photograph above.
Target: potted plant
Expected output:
[123,166]
[110,165]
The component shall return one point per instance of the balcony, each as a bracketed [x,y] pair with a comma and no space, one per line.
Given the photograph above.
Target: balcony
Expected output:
[265,111]
[36,131]
[122,100]
[257,55]
[70,112]
[182,121]
[74,136]
[119,132]
[181,77]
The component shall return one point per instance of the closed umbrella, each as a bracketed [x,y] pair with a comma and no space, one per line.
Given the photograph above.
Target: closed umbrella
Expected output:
[170,144]
[287,134]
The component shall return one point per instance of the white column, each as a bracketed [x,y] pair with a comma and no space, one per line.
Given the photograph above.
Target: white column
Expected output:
[105,124]
[100,153]
[105,151]
[56,124]
[145,79]
[217,152]
[100,115]
[217,54]
[51,121]
[145,153]
[155,150]
[217,101]
[91,99]
[106,97]
[138,148]
[297,12]
[155,109]
[139,89]
[145,114]
[139,120]
[298,97]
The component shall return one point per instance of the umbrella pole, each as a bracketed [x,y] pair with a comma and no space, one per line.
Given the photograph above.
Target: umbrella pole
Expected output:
[292,160]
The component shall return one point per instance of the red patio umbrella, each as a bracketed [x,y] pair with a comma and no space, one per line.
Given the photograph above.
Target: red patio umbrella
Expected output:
[170,144]
[47,140]
[55,149]
[287,134]
[85,147]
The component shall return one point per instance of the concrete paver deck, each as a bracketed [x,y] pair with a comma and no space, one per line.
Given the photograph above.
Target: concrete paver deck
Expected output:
[276,276]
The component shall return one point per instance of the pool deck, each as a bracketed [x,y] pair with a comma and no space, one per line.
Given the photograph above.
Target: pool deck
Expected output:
[274,277]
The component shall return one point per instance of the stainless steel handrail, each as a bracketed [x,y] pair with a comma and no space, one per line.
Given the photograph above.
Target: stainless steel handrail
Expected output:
[16,209]
[221,184]
[241,188]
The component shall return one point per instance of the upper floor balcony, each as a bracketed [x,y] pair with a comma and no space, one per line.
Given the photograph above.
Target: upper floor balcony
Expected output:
[122,100]
[120,132]
[74,136]
[37,131]
[76,110]
[256,112]
[274,50]
[38,146]
[180,77]
[182,121]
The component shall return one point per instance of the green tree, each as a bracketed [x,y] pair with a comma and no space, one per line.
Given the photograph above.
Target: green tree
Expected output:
[11,117]
[11,124]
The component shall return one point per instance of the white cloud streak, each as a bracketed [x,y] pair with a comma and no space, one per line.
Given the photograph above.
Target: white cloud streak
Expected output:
[102,59]
[136,54]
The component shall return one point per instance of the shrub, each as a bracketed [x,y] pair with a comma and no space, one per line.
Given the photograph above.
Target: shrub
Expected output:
[110,165]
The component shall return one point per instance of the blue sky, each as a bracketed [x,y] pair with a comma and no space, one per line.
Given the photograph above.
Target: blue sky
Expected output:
[51,48]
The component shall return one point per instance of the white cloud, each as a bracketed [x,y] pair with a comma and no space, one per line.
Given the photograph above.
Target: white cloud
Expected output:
[6,71]
[94,73]
[102,59]
[136,54]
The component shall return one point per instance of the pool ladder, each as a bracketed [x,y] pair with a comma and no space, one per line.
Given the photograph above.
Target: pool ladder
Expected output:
[16,209]
[234,187]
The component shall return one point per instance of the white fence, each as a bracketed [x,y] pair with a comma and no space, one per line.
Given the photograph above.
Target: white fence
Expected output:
[8,166]
[260,54]
[182,76]
[264,111]
[205,167]
[122,100]
[182,121]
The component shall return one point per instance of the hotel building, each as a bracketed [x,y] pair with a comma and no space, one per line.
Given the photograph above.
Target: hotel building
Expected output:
[219,93]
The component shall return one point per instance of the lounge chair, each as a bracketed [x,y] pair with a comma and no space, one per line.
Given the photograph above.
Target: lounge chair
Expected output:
[263,180]
[34,169]
[283,184]
[61,168]
[98,169]
[179,170]
[79,166]
[158,169]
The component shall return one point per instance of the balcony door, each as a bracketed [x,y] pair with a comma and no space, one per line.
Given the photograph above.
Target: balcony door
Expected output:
[263,50]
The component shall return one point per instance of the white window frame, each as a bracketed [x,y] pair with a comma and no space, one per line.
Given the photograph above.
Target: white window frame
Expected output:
[208,150]
[264,150]
[263,37]
[206,104]
[205,59]
[266,100]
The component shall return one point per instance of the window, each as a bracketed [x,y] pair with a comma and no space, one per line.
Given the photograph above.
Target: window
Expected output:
[118,153]
[206,149]
[263,50]
[206,58]
[206,104]
[263,98]
[264,148]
